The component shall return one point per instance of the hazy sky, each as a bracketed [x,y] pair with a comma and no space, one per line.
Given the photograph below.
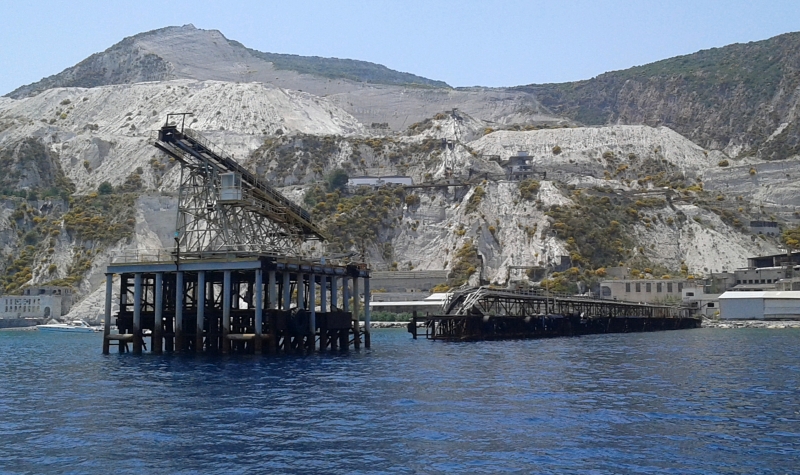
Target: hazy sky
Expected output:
[463,43]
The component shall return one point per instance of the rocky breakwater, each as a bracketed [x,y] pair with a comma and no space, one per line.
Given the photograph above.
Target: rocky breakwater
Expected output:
[771,324]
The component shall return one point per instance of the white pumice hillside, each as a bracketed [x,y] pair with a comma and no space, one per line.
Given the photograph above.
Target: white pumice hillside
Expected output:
[678,208]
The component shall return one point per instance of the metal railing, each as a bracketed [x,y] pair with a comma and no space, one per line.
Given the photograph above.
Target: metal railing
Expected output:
[222,252]
[142,255]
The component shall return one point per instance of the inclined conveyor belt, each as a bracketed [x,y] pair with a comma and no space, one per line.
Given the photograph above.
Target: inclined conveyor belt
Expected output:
[179,144]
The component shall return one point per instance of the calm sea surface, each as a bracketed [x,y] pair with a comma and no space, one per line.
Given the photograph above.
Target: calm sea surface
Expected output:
[684,402]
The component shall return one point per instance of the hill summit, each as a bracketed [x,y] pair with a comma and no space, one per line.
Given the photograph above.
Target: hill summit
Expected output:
[186,52]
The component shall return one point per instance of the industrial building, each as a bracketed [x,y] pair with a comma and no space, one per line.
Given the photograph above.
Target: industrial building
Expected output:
[643,290]
[764,305]
[37,302]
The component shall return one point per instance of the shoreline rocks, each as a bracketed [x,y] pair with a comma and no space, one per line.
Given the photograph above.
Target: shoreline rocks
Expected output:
[771,324]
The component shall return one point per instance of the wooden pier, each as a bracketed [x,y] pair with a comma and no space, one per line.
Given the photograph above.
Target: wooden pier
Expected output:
[487,314]
[250,304]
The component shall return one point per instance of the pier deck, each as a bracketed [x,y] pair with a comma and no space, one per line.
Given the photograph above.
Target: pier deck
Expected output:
[487,314]
[250,304]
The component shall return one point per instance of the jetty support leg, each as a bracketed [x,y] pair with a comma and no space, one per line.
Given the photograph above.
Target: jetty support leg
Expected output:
[107,315]
[287,306]
[312,312]
[180,344]
[323,308]
[201,310]
[272,295]
[259,311]
[356,316]
[156,339]
[367,313]
[226,312]
[137,313]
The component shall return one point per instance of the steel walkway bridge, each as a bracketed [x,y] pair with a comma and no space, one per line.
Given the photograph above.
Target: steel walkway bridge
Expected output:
[484,313]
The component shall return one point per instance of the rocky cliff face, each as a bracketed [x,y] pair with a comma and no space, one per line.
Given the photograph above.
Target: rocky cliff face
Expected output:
[644,196]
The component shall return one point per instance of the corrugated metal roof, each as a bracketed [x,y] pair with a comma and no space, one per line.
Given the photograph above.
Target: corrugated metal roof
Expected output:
[788,294]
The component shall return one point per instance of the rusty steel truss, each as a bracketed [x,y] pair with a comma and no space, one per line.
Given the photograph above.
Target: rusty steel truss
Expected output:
[484,313]
[223,207]
[484,301]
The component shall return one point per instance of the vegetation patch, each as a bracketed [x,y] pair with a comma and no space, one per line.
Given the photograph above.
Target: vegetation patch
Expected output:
[475,200]
[101,219]
[528,189]
[466,263]
[355,221]
[335,68]
[596,229]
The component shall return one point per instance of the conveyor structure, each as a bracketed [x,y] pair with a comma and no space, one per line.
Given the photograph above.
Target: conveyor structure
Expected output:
[223,207]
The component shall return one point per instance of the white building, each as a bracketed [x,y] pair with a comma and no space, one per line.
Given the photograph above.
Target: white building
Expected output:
[699,302]
[37,302]
[378,181]
[766,305]
[643,290]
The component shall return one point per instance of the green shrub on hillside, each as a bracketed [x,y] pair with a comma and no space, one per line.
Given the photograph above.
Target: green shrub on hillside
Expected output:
[528,189]
[475,200]
[465,264]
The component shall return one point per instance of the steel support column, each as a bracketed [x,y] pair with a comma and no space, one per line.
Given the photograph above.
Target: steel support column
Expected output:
[334,292]
[137,313]
[107,315]
[356,317]
[312,312]
[226,311]
[367,313]
[200,292]
[180,343]
[272,295]
[156,341]
[259,309]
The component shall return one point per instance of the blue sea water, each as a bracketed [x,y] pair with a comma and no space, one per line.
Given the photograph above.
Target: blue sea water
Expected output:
[701,401]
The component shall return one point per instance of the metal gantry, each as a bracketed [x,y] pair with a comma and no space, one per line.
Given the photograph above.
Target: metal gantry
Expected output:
[484,313]
[223,207]
[236,280]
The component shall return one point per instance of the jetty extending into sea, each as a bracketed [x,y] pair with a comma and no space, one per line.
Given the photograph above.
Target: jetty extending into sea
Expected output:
[247,304]
[238,281]
[495,314]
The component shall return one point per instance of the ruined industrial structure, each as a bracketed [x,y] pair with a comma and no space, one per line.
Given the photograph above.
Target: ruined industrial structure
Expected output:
[236,280]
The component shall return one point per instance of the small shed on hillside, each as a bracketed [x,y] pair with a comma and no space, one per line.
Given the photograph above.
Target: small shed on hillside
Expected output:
[379,181]
[765,305]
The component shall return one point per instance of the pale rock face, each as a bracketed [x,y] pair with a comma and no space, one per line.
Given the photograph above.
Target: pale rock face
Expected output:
[105,134]
[767,188]
[155,219]
[582,148]
[436,240]
[707,245]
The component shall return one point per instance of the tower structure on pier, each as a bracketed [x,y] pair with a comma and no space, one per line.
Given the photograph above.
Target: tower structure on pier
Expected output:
[236,279]
[223,207]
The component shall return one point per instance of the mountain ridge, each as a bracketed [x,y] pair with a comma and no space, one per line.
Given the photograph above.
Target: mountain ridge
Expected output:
[93,71]
[190,53]
[732,98]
